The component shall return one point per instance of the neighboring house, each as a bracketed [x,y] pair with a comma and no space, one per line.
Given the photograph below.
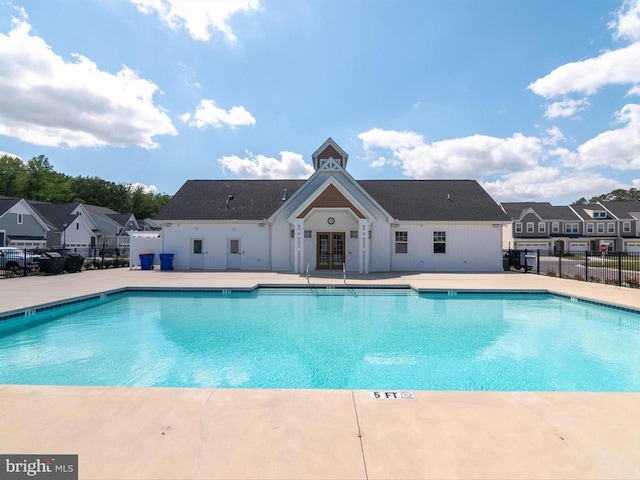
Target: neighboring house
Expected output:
[70,224]
[331,221]
[84,228]
[127,222]
[542,226]
[113,226]
[20,225]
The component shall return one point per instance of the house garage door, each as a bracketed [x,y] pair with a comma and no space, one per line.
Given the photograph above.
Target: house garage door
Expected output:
[533,246]
[633,247]
[578,246]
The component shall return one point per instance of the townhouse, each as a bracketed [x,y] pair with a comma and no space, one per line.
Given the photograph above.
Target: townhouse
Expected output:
[576,227]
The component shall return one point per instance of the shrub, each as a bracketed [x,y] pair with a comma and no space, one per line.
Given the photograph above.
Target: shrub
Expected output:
[551,273]
[632,282]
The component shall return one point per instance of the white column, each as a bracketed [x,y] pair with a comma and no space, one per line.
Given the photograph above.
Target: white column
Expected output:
[364,226]
[298,228]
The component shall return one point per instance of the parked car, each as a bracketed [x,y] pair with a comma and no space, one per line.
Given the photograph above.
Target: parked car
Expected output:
[13,259]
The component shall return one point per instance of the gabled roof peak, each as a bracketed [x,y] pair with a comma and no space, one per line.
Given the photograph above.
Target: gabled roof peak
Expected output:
[329,150]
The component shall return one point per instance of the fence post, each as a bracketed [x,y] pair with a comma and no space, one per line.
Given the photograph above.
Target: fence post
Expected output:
[538,261]
[619,269]
[560,265]
[586,265]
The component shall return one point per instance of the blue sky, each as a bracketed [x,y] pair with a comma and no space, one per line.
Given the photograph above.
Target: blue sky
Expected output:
[537,100]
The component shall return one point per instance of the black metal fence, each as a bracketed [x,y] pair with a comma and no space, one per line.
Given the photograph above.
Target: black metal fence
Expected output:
[19,262]
[614,268]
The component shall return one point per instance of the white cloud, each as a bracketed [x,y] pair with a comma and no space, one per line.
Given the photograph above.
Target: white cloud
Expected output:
[627,22]
[635,90]
[290,165]
[46,100]
[198,17]
[469,157]
[617,67]
[543,183]
[618,149]
[208,114]
[553,136]
[566,108]
[517,168]
[2,154]
[145,188]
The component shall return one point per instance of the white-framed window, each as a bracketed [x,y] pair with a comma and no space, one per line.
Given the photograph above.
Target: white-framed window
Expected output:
[529,227]
[542,227]
[599,214]
[555,227]
[600,227]
[307,234]
[626,227]
[571,228]
[518,227]
[402,242]
[589,227]
[439,242]
[20,218]
[353,234]
[611,228]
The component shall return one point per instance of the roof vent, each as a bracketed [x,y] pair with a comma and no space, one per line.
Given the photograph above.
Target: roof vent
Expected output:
[229,198]
[285,194]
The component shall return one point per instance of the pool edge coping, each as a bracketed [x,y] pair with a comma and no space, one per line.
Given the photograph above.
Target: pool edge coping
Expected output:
[449,292]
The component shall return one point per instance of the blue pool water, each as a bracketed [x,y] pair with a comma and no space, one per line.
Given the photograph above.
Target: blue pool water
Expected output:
[347,339]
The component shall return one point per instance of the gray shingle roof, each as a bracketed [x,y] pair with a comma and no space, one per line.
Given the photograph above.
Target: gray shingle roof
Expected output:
[207,199]
[545,210]
[55,214]
[622,209]
[428,200]
[434,200]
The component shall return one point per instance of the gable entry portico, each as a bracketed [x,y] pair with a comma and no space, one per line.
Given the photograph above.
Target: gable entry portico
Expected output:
[333,214]
[335,219]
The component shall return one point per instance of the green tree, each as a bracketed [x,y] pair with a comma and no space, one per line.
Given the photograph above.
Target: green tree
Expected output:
[146,204]
[12,176]
[617,195]
[38,181]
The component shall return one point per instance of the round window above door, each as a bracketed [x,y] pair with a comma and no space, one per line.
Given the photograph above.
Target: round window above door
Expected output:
[331,220]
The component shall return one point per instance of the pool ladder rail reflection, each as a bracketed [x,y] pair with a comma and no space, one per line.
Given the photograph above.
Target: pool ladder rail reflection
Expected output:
[313,289]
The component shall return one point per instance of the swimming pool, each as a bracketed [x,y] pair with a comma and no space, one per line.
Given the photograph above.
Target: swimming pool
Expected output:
[338,339]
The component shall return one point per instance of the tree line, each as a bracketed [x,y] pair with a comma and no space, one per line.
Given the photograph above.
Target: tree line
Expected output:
[617,195]
[36,180]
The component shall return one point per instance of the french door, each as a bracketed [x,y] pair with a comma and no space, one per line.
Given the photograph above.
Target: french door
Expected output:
[330,250]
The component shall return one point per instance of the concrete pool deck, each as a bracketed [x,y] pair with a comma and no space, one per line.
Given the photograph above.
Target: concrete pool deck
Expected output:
[178,433]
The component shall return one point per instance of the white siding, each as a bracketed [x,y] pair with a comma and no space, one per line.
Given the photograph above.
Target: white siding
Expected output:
[254,244]
[468,248]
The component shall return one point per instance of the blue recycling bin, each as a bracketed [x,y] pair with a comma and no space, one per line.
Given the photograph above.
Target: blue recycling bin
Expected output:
[146,261]
[166,261]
